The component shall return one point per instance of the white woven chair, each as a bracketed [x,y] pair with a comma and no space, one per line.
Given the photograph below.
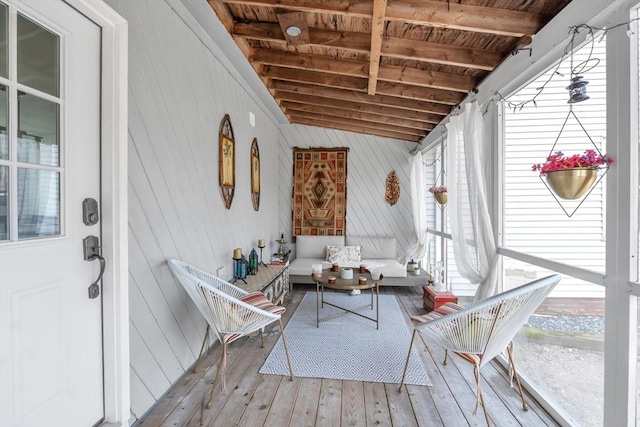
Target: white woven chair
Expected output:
[180,268]
[231,312]
[483,329]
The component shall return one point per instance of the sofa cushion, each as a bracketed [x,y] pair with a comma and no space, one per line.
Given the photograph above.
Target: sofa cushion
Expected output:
[374,247]
[389,268]
[302,266]
[343,254]
[315,246]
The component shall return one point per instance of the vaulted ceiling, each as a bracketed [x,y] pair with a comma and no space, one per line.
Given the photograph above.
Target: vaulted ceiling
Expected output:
[380,67]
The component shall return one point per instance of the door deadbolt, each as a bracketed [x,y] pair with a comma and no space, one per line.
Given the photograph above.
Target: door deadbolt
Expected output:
[90,215]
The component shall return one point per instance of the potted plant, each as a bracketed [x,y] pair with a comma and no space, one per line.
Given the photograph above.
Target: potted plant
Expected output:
[440,193]
[570,177]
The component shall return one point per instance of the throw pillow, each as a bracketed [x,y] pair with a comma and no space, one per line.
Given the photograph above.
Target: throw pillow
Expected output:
[343,254]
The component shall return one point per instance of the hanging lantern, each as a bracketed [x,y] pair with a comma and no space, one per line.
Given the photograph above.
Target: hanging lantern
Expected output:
[253,262]
[577,90]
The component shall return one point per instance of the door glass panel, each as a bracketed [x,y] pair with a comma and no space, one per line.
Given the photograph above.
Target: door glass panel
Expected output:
[3,40]
[4,202]
[37,130]
[38,203]
[38,52]
[4,141]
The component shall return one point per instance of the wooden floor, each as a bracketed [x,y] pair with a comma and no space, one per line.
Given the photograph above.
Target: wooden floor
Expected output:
[253,399]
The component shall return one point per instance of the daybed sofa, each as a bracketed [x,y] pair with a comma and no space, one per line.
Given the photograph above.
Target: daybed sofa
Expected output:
[374,251]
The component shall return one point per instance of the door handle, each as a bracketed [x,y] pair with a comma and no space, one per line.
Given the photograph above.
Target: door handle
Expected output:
[91,247]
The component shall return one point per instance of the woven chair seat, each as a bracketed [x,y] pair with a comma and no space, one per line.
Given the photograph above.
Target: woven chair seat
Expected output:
[230,311]
[481,330]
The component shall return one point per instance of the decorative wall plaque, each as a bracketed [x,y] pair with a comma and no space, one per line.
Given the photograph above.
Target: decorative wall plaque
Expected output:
[392,190]
[255,174]
[227,158]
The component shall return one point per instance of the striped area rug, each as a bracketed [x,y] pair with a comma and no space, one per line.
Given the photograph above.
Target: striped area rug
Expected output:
[348,347]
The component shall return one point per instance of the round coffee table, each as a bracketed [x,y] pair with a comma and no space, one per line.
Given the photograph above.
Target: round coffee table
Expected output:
[346,285]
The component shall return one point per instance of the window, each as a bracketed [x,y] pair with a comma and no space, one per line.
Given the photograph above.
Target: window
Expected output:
[30,157]
[534,222]
[565,338]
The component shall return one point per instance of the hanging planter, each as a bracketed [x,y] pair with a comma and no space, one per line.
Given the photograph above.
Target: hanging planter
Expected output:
[441,197]
[571,184]
[571,177]
[439,193]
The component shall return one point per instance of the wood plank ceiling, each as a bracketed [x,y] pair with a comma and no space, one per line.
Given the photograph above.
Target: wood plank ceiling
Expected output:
[392,68]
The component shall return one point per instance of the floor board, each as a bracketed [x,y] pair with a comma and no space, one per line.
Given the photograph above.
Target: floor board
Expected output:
[253,399]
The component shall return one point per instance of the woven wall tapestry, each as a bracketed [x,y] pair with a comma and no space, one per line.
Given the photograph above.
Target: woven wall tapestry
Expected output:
[319,191]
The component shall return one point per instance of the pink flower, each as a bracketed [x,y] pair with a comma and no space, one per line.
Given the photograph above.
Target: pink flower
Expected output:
[558,161]
[435,189]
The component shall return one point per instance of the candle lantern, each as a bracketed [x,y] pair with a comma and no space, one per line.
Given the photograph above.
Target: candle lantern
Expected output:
[261,245]
[240,266]
[253,262]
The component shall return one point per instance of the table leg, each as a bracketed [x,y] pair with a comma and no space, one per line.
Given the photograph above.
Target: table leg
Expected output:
[317,304]
[377,304]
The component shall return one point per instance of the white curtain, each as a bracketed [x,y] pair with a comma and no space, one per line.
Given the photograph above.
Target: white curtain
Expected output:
[474,246]
[419,208]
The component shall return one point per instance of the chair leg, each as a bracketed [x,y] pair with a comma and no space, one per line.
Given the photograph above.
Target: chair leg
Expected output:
[446,355]
[205,342]
[480,398]
[515,374]
[406,364]
[261,332]
[222,366]
[286,349]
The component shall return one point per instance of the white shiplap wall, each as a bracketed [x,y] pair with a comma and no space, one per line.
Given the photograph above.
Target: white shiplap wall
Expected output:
[370,160]
[179,91]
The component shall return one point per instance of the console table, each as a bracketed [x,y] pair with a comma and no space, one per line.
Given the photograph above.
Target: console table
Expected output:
[272,280]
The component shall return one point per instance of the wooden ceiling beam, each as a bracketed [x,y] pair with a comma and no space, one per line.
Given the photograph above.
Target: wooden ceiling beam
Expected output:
[427,78]
[466,17]
[357,115]
[311,77]
[377,32]
[452,15]
[355,83]
[345,121]
[324,64]
[343,40]
[353,128]
[355,96]
[355,68]
[440,53]
[358,9]
[420,93]
[355,106]
[392,47]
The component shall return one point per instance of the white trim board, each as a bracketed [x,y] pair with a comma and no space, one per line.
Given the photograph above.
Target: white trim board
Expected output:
[114,63]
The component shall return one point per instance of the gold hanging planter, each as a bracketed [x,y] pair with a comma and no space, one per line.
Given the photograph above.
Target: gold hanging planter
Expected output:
[571,184]
[441,197]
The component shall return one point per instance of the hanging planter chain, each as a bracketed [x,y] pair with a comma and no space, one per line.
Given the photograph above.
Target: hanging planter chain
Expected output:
[577,93]
[441,198]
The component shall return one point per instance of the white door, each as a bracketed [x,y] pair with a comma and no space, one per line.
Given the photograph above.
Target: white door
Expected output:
[50,330]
